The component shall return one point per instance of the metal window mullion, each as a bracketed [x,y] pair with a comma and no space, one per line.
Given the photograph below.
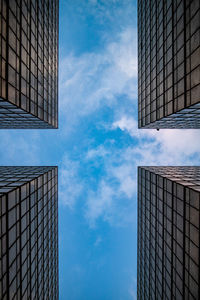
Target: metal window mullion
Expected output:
[7,47]
[157,63]
[29,212]
[163,241]
[164,34]
[36,256]
[7,249]
[184,239]
[173,71]
[172,241]
[150,254]
[185,67]
[156,231]
[20,56]
[20,242]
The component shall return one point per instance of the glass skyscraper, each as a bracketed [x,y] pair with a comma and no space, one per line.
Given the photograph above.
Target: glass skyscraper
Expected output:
[169,64]
[168,233]
[28,233]
[29,64]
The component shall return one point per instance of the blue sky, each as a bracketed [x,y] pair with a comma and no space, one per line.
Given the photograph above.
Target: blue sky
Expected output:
[98,148]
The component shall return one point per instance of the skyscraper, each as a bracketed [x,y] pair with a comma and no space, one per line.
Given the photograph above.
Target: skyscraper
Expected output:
[29,64]
[169,64]
[168,233]
[29,233]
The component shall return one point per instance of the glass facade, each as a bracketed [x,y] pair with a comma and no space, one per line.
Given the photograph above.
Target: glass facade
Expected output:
[169,64]
[168,233]
[28,233]
[29,64]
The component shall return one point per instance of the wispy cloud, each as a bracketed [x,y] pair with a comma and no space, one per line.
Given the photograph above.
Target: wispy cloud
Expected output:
[97,152]
[133,288]
[110,191]
[19,147]
[99,203]
[100,79]
[112,199]
[98,241]
[115,13]
[70,186]
[115,196]
[164,147]
[94,80]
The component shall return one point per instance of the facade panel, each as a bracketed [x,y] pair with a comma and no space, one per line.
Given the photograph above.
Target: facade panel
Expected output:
[168,233]
[29,64]
[28,233]
[169,64]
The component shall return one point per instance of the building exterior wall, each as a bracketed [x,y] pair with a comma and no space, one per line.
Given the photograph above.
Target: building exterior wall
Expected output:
[169,64]
[29,233]
[168,233]
[29,64]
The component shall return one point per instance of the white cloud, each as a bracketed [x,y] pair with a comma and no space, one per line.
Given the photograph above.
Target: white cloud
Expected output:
[99,203]
[127,124]
[97,80]
[115,196]
[116,13]
[133,288]
[97,152]
[70,186]
[164,147]
[113,199]
[125,176]
[98,241]
[181,142]
[19,147]
[93,80]
[123,53]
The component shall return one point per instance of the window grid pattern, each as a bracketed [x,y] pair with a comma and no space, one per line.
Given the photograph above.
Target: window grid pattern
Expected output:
[168,233]
[29,64]
[168,64]
[29,233]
